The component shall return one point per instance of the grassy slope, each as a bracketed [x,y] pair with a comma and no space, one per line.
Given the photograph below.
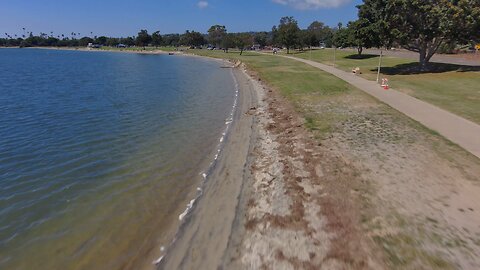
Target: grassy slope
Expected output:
[451,87]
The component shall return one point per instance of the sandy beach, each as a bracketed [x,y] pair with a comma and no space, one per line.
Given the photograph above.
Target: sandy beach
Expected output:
[84,49]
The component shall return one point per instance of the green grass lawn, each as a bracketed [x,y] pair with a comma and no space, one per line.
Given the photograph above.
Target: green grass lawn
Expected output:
[290,77]
[296,81]
[452,87]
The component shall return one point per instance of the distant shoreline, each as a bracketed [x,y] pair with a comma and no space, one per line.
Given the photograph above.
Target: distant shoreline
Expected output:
[83,49]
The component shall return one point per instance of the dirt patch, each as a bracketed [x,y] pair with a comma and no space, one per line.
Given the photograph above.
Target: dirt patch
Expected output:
[417,186]
[302,213]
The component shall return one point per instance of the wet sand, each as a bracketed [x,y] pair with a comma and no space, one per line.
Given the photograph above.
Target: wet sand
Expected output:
[203,239]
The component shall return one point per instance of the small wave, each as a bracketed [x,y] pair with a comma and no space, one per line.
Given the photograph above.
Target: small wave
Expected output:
[157,261]
[189,206]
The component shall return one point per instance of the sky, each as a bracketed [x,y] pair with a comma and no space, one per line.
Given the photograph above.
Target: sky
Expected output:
[121,18]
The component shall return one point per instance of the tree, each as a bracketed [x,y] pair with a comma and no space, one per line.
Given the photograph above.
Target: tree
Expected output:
[342,38]
[261,38]
[377,14]
[243,40]
[143,38]
[363,34]
[129,41]
[156,39]
[84,41]
[423,25]
[322,32]
[228,41]
[274,39]
[288,32]
[192,39]
[307,39]
[112,42]
[102,40]
[217,34]
[171,39]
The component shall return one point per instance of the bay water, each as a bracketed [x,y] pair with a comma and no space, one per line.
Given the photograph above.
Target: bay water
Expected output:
[101,151]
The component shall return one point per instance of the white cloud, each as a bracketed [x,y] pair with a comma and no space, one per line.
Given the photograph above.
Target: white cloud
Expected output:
[312,4]
[202,4]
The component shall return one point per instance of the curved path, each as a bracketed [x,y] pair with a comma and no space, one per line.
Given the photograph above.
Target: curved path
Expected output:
[453,127]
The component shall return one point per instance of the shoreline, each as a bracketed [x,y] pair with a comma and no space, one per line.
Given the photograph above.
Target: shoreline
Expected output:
[202,240]
[83,49]
[210,171]
[222,157]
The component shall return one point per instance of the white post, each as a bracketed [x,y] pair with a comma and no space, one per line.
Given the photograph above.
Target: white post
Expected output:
[334,55]
[379,65]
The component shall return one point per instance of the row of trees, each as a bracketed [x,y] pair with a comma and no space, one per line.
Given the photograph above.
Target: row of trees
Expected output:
[216,36]
[421,26]
[43,40]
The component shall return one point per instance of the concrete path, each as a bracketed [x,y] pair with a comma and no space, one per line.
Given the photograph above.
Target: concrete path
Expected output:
[455,128]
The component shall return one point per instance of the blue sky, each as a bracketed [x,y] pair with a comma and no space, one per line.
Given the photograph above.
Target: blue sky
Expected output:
[126,17]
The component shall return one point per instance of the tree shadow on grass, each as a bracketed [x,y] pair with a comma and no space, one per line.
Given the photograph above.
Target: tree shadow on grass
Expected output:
[250,55]
[361,56]
[414,68]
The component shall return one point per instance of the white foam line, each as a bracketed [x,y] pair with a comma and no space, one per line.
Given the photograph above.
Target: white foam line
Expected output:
[189,206]
[204,175]
[157,261]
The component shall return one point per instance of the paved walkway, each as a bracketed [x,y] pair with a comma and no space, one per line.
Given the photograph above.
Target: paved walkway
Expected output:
[453,127]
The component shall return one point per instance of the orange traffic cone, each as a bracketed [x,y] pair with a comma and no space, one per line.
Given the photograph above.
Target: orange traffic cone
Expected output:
[385,83]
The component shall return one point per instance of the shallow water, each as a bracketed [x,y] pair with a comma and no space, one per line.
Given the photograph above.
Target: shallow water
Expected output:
[99,151]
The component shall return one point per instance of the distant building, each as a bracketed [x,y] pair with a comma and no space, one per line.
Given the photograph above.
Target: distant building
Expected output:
[91,45]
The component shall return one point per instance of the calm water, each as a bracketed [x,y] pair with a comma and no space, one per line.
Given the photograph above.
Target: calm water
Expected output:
[99,152]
